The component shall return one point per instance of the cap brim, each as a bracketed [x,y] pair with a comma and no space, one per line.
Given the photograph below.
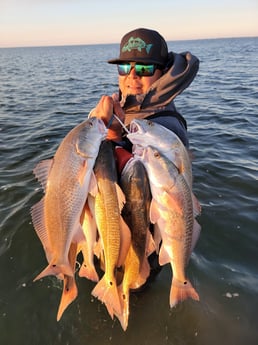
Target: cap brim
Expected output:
[136,59]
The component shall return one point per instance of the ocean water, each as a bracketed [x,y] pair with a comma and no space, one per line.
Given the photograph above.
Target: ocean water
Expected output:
[44,93]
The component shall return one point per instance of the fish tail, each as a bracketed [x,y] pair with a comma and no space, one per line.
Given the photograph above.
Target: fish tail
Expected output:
[89,272]
[56,270]
[180,291]
[124,300]
[69,294]
[106,292]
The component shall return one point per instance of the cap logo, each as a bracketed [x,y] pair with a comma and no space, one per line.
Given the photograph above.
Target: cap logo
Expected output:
[136,44]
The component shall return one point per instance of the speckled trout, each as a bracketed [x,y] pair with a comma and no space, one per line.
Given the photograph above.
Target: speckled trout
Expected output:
[67,180]
[172,210]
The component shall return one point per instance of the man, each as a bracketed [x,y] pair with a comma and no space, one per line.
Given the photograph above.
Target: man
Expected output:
[150,78]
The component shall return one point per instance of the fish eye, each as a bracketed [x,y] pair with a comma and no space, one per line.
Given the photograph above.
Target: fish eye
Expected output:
[156,154]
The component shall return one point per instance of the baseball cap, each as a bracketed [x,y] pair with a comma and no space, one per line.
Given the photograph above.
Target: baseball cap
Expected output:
[142,45]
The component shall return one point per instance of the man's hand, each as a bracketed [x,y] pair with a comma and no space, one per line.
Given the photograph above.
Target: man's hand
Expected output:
[104,110]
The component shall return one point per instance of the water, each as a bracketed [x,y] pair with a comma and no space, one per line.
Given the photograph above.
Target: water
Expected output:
[44,92]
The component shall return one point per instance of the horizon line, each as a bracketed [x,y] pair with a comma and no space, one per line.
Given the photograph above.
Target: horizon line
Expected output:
[91,44]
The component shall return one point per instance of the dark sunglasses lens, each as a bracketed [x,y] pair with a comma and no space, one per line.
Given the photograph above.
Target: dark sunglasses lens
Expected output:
[140,69]
[144,70]
[124,69]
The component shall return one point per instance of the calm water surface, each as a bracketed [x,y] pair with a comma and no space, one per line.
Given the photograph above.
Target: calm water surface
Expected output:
[44,92]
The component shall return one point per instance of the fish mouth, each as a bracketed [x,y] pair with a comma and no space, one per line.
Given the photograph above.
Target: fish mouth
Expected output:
[133,128]
[102,128]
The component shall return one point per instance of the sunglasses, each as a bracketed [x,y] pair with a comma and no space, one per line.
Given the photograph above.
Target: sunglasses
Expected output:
[142,70]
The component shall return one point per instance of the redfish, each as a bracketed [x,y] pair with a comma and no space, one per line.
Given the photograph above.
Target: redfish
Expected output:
[67,180]
[114,233]
[172,211]
[135,185]
[145,133]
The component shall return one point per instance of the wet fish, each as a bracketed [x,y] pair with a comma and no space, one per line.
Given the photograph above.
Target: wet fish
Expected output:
[135,185]
[89,227]
[67,179]
[114,234]
[145,133]
[172,211]
[148,133]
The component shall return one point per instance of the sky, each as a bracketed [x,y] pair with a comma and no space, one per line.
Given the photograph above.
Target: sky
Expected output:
[71,22]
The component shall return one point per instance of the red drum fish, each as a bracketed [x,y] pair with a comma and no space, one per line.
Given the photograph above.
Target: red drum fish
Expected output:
[172,211]
[66,179]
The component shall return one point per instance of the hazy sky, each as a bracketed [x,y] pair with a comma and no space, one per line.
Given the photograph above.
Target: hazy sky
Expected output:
[64,22]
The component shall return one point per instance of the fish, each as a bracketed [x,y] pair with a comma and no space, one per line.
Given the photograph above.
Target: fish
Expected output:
[114,234]
[135,185]
[145,133]
[66,180]
[87,246]
[171,210]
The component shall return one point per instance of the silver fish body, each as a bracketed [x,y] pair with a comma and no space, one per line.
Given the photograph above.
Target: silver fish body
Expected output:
[145,133]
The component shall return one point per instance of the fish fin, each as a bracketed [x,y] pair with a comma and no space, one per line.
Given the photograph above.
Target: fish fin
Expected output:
[154,211]
[37,215]
[110,310]
[124,315]
[180,291]
[150,243]
[144,273]
[172,201]
[93,186]
[91,203]
[195,234]
[157,237]
[70,291]
[125,241]
[56,270]
[82,172]
[98,248]
[69,294]
[88,271]
[106,292]
[42,170]
[164,257]
[79,235]
[197,209]
[120,197]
